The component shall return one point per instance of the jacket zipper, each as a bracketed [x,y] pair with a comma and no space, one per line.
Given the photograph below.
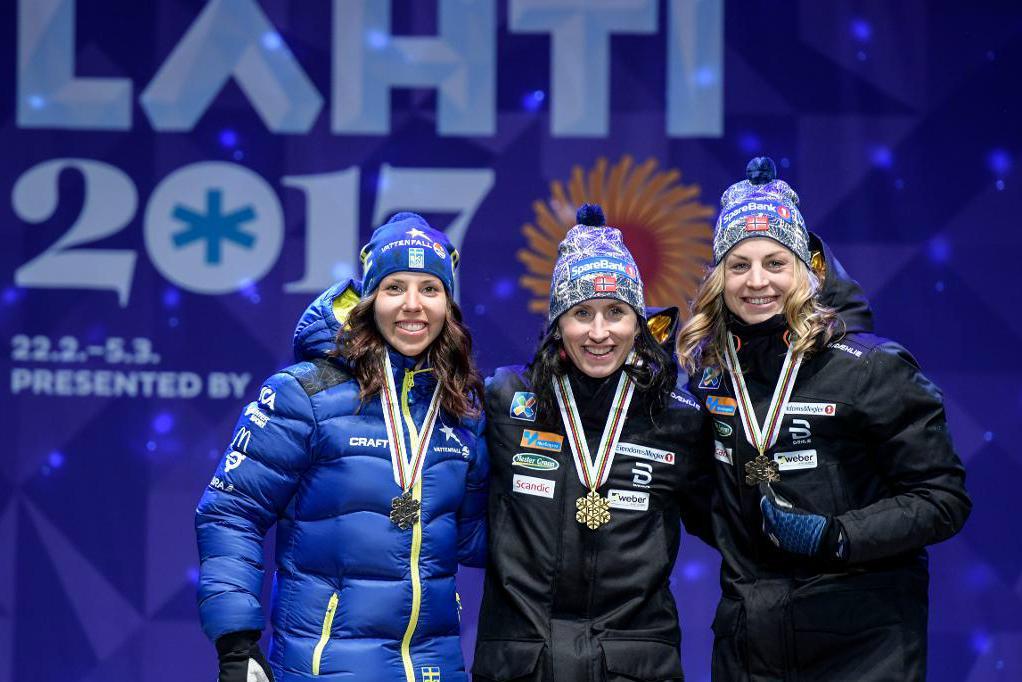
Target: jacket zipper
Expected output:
[413,618]
[328,623]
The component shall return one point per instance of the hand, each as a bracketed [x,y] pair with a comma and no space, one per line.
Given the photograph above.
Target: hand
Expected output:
[797,531]
[241,659]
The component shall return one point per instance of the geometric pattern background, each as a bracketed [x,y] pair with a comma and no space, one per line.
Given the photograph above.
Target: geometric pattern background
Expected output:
[897,123]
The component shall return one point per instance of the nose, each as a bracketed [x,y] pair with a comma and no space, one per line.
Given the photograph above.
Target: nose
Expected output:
[757,277]
[598,331]
[411,302]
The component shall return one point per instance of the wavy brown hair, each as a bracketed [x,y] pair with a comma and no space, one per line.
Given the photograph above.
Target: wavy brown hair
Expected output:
[362,346]
[702,340]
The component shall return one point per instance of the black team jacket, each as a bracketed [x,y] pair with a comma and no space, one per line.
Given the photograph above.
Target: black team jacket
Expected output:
[563,603]
[864,440]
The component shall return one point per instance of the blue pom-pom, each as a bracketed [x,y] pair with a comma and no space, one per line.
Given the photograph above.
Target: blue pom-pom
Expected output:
[761,170]
[591,215]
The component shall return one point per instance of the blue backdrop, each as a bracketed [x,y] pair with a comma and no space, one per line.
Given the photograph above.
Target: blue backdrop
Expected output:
[179,178]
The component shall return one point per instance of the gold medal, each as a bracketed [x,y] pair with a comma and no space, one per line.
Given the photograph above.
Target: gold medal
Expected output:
[761,470]
[593,510]
[404,511]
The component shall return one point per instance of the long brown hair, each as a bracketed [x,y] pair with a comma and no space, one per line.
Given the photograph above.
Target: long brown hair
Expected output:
[450,357]
[702,340]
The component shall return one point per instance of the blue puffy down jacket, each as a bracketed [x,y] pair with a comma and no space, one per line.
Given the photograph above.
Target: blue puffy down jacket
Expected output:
[354,597]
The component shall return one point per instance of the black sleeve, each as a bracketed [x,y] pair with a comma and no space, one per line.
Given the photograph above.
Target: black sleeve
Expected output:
[906,430]
[696,495]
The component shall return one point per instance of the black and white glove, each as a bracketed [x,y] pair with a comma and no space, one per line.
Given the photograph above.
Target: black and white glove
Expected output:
[241,659]
[798,531]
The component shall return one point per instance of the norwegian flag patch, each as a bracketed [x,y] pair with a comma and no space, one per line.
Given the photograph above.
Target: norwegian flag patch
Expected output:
[757,223]
[605,284]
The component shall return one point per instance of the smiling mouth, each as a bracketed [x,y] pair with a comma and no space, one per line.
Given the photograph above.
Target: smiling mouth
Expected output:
[598,352]
[760,300]
[411,327]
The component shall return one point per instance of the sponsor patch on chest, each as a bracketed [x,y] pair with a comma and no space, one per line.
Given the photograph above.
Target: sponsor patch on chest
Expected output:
[721,404]
[798,459]
[722,454]
[644,452]
[542,440]
[530,460]
[628,499]
[531,485]
[813,409]
[523,406]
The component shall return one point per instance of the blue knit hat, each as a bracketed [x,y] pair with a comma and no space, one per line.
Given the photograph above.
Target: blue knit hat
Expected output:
[406,243]
[760,206]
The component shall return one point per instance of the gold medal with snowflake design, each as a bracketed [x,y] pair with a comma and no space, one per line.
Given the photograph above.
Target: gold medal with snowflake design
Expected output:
[593,510]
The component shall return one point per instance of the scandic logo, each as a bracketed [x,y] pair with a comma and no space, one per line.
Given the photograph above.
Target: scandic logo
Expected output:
[542,440]
[530,485]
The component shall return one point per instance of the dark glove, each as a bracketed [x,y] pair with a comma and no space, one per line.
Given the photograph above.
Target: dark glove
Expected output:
[241,659]
[798,531]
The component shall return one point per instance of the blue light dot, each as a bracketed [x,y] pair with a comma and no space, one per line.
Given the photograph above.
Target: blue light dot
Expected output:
[272,40]
[480,309]
[11,295]
[693,570]
[881,156]
[150,446]
[171,297]
[163,423]
[785,162]
[988,436]
[36,101]
[981,642]
[238,155]
[999,161]
[999,185]
[377,39]
[228,138]
[533,101]
[193,575]
[705,77]
[939,286]
[861,30]
[56,459]
[749,142]
[504,288]
[939,249]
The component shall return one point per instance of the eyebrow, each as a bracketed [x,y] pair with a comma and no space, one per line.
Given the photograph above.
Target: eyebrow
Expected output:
[736,256]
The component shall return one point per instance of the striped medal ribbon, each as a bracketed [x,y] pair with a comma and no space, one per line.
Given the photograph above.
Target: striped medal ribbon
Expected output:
[593,510]
[762,468]
[404,509]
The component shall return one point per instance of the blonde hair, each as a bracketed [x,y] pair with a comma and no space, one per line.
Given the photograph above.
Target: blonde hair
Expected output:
[702,340]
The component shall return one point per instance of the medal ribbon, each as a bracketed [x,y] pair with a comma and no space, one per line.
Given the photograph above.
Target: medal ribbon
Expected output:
[763,439]
[592,473]
[406,471]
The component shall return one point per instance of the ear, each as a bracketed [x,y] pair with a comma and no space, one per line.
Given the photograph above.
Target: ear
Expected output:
[344,302]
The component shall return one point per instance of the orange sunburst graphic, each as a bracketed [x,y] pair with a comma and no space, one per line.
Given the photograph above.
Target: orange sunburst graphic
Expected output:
[664,225]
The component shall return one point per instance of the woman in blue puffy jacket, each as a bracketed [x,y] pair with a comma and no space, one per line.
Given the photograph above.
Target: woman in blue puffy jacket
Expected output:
[367,455]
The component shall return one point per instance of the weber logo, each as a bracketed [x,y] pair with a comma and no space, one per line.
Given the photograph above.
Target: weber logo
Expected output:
[643,452]
[530,485]
[722,454]
[812,409]
[628,499]
[792,461]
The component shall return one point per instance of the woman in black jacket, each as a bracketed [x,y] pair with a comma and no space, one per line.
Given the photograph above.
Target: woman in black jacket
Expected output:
[834,468]
[593,451]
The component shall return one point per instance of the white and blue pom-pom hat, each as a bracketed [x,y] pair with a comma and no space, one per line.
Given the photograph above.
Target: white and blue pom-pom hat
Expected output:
[760,206]
[406,243]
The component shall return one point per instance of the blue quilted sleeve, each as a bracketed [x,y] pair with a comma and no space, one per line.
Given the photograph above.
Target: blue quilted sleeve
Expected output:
[472,513]
[252,486]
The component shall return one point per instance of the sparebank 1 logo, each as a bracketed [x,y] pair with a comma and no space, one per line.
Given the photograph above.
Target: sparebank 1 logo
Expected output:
[213,225]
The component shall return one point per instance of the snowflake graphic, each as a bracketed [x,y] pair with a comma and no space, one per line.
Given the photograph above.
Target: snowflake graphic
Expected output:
[214,227]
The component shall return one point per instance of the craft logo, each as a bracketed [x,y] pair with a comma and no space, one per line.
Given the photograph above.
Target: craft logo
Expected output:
[721,404]
[416,258]
[757,223]
[542,440]
[649,205]
[360,442]
[711,378]
[628,499]
[792,461]
[523,406]
[812,409]
[723,430]
[643,452]
[530,485]
[605,284]
[529,460]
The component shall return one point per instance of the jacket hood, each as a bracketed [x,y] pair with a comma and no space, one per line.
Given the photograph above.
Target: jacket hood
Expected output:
[317,329]
[840,291]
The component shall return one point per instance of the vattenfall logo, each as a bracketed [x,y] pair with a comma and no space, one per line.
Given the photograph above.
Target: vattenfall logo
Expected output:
[529,460]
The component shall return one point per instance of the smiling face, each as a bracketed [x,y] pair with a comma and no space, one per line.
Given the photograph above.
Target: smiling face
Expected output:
[410,310]
[758,275]
[598,334]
